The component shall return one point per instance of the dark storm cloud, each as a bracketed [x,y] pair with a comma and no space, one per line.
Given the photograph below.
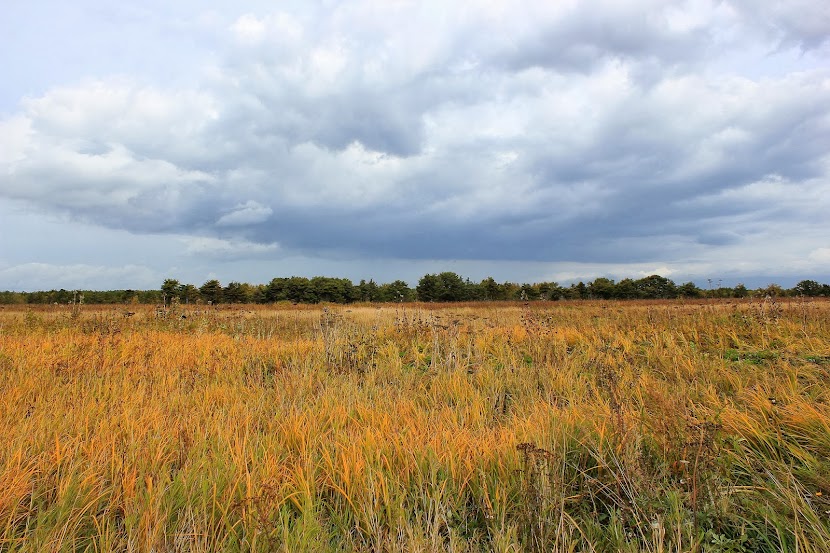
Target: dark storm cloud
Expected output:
[506,135]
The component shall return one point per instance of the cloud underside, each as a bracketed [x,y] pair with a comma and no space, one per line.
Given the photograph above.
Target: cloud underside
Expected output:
[547,134]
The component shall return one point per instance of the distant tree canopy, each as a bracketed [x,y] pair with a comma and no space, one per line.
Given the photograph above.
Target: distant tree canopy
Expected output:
[211,292]
[810,288]
[440,287]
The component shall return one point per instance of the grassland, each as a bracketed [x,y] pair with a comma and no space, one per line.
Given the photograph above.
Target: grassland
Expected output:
[541,427]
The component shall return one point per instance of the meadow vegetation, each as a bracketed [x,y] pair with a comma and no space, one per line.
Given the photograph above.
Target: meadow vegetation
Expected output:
[569,426]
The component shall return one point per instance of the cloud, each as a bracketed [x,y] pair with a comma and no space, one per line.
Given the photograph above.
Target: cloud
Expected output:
[249,213]
[249,29]
[547,132]
[821,256]
[47,276]
[226,249]
[14,141]
[800,22]
[279,28]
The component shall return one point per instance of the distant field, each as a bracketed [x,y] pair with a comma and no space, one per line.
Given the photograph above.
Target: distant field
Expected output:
[548,426]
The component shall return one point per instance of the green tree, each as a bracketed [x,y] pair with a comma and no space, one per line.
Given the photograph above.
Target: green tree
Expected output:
[491,290]
[300,290]
[809,288]
[550,291]
[429,288]
[170,288]
[14,298]
[773,290]
[257,292]
[397,291]
[334,290]
[656,287]
[211,291]
[528,292]
[452,287]
[472,290]
[626,289]
[368,291]
[577,291]
[446,286]
[188,293]
[602,288]
[689,290]
[276,290]
[237,292]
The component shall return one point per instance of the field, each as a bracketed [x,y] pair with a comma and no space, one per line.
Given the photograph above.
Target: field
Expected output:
[549,426]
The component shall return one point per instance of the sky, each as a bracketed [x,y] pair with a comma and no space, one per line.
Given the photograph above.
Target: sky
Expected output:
[528,141]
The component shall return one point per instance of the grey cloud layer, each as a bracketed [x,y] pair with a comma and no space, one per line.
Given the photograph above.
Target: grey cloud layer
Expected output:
[551,133]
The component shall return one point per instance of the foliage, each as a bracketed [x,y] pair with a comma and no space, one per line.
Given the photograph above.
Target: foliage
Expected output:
[211,291]
[441,287]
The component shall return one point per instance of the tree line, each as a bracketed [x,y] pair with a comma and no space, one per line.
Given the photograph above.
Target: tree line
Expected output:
[439,287]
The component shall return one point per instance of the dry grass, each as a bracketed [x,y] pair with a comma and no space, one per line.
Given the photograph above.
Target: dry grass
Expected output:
[545,427]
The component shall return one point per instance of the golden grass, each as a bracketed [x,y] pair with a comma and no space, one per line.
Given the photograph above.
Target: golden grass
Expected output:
[655,426]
